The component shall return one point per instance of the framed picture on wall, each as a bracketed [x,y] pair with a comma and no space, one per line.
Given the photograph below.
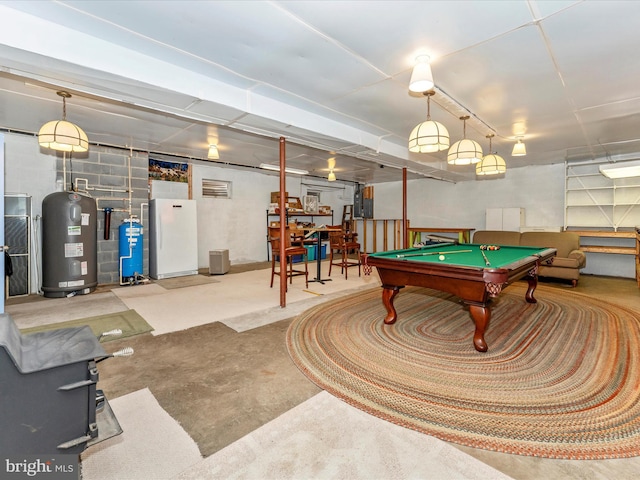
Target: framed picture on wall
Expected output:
[168,171]
[310,203]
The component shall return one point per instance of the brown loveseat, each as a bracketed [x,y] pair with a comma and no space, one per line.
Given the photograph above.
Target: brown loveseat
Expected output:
[568,261]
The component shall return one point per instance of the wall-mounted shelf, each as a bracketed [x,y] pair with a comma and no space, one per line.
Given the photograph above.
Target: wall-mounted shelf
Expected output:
[593,200]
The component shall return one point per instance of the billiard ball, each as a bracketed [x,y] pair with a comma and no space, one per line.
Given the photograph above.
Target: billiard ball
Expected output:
[441,257]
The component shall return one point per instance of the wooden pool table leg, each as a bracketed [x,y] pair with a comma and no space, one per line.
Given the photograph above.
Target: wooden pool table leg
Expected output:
[388,294]
[481,316]
[532,280]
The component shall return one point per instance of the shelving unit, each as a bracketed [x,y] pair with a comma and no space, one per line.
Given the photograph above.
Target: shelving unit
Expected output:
[604,211]
[296,215]
[595,201]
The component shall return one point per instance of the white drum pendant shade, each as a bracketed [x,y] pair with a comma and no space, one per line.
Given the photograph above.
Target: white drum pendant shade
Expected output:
[63,136]
[464,152]
[429,137]
[491,164]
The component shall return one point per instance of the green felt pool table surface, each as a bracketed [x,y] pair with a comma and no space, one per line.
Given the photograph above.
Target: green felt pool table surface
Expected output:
[463,255]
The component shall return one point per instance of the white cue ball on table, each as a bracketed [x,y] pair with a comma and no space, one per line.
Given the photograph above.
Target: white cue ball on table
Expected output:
[441,257]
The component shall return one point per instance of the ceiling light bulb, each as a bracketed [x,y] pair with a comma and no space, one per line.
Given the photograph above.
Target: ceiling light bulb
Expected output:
[519,149]
[331,177]
[621,169]
[213,152]
[421,77]
[276,168]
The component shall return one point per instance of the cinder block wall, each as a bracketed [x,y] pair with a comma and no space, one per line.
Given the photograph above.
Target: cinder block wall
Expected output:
[104,174]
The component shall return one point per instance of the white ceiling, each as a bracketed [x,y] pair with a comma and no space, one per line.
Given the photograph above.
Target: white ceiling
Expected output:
[173,76]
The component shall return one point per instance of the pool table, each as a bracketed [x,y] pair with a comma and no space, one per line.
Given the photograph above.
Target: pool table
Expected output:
[466,270]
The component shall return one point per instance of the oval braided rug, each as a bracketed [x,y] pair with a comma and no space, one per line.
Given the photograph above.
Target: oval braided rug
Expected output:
[561,378]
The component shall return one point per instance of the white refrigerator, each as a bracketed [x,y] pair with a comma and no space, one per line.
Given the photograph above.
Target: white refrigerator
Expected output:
[173,238]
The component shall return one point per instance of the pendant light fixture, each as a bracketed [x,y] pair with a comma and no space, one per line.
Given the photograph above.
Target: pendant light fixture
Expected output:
[519,149]
[465,151]
[492,163]
[62,135]
[429,136]
[421,77]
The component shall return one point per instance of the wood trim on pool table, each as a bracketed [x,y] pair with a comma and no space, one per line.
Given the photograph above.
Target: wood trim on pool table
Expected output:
[476,286]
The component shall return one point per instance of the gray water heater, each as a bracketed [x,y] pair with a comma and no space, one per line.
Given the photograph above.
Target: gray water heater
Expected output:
[69,244]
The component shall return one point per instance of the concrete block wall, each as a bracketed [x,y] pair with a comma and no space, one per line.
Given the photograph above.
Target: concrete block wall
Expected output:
[104,174]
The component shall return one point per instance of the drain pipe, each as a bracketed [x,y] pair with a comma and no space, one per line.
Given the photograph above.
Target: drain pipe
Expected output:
[107,222]
[130,221]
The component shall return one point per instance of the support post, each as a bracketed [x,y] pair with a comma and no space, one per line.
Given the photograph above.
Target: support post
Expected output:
[283,226]
[405,224]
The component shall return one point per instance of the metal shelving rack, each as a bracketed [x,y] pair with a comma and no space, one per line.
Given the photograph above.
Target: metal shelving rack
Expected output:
[289,215]
[605,212]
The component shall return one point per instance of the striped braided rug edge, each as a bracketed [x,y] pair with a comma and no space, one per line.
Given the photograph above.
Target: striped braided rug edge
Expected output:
[561,378]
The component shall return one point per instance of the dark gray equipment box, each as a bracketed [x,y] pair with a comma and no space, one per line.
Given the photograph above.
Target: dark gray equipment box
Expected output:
[48,390]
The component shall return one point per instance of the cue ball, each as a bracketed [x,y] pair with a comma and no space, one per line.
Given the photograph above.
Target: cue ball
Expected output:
[441,257]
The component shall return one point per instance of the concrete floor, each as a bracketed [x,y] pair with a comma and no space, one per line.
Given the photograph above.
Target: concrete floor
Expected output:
[221,385]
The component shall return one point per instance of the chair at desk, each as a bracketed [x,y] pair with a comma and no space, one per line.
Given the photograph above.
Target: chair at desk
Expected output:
[292,247]
[343,243]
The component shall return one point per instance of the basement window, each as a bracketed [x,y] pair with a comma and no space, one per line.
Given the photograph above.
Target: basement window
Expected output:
[216,188]
[315,193]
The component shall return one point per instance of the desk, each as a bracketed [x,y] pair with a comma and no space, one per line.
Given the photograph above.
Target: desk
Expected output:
[623,250]
[308,232]
[461,272]
[464,234]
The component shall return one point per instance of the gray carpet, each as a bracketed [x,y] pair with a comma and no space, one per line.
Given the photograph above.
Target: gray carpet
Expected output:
[128,322]
[43,311]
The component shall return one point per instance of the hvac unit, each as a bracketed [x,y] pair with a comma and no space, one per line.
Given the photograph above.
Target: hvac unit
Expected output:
[219,262]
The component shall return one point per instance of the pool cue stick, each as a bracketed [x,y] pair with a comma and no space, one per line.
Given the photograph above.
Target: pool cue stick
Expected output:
[423,254]
[486,260]
[422,247]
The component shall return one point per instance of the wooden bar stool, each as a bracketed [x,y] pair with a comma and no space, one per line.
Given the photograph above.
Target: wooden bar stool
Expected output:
[297,248]
[342,244]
